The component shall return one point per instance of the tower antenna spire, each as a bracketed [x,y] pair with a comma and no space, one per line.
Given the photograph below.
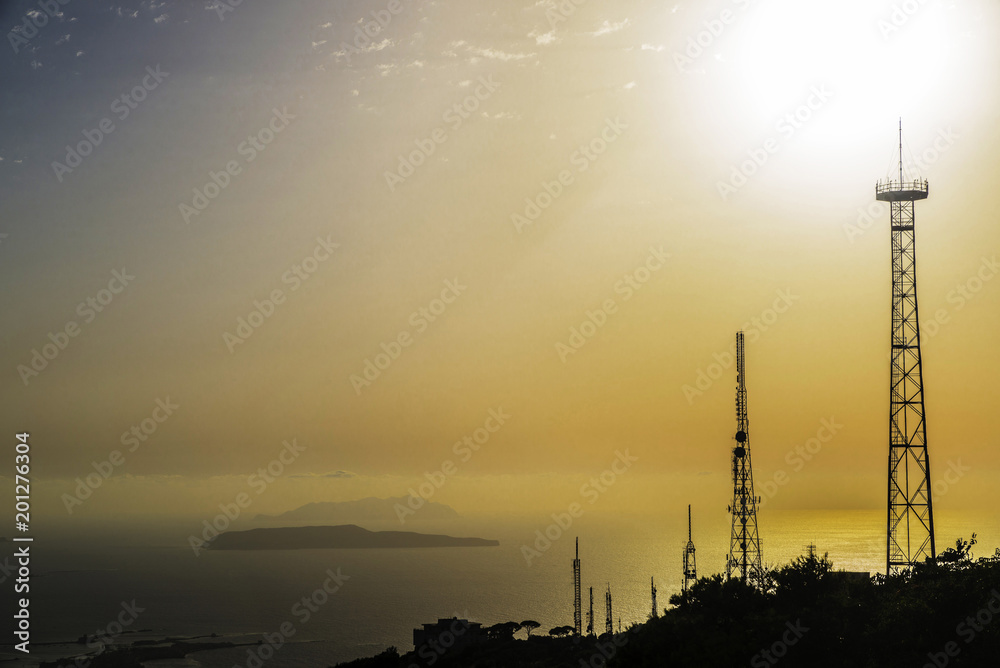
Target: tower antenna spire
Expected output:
[900,151]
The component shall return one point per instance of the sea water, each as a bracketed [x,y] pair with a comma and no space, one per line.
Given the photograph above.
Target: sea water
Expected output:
[384,594]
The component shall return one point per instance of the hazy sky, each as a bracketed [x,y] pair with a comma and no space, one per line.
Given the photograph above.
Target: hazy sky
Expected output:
[474,181]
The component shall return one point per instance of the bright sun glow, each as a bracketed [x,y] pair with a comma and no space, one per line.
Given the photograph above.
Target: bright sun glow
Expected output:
[877,67]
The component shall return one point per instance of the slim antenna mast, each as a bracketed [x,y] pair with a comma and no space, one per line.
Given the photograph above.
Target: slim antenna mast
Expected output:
[900,152]
[690,570]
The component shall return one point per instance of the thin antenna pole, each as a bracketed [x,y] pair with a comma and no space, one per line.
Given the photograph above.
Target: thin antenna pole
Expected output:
[689,522]
[901,152]
[652,588]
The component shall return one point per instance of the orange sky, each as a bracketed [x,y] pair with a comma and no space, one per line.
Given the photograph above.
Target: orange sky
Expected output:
[567,167]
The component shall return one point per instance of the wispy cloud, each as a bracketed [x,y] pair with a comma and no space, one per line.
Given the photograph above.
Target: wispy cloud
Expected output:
[503,116]
[484,52]
[607,28]
[344,52]
[544,39]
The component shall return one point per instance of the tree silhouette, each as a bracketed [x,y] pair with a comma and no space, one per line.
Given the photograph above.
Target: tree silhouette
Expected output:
[561,631]
[529,625]
[502,631]
[961,552]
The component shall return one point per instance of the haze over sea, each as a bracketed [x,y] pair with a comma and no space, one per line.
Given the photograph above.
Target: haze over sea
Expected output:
[243,595]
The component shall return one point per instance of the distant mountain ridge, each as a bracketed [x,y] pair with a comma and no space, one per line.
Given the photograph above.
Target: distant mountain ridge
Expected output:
[361,511]
[347,536]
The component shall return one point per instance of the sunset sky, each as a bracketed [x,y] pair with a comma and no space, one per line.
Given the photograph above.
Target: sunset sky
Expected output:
[470,183]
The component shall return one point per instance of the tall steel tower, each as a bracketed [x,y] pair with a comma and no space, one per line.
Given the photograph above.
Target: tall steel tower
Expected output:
[608,624]
[910,525]
[590,615]
[690,571]
[744,543]
[577,617]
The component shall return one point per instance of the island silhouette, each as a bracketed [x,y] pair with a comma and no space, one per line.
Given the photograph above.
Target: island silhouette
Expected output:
[344,536]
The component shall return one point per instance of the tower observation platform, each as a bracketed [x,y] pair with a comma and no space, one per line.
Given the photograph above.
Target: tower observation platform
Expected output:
[901,191]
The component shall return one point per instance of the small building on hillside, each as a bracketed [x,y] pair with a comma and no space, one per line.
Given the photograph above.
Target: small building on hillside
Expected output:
[447,635]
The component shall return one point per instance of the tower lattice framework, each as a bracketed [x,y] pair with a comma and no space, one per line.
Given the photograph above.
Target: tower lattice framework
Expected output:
[577,616]
[590,614]
[910,516]
[744,544]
